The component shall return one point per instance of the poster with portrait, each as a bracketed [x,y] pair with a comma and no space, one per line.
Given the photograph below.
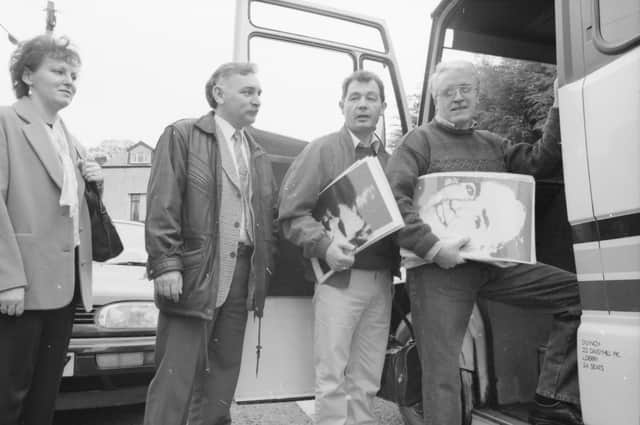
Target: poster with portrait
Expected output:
[495,210]
[358,207]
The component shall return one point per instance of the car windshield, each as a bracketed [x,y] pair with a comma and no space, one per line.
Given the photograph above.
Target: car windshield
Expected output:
[132,236]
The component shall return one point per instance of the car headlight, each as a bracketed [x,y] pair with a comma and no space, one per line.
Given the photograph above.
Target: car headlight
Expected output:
[128,315]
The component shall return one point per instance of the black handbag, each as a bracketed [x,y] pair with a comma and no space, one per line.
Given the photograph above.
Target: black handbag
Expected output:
[105,240]
[401,381]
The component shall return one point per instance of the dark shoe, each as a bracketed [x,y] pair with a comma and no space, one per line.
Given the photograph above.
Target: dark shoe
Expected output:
[559,413]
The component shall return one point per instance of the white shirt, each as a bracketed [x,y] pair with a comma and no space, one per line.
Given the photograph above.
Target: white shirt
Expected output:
[69,190]
[227,131]
[447,123]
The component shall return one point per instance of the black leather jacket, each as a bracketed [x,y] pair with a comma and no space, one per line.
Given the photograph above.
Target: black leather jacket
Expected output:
[181,231]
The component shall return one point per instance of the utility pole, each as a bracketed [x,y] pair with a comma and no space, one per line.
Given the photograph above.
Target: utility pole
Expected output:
[50,22]
[12,39]
[51,17]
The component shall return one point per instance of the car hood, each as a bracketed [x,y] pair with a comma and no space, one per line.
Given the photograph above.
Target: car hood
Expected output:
[112,283]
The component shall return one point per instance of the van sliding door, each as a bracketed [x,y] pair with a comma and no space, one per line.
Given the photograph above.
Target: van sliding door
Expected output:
[303,53]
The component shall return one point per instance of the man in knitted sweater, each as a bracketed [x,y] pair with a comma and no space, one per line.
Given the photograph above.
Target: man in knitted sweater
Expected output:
[443,291]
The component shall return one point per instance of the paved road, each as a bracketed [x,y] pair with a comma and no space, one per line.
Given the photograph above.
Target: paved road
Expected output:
[253,414]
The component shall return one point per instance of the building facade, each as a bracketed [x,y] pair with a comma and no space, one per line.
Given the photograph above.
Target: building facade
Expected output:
[126,175]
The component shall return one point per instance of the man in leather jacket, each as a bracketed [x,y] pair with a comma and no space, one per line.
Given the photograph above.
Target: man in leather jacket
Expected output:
[211,239]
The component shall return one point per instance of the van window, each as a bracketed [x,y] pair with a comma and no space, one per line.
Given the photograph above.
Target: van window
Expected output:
[390,126]
[619,19]
[294,21]
[296,101]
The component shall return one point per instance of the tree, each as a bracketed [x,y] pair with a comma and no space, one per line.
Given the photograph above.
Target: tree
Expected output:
[108,148]
[394,135]
[515,97]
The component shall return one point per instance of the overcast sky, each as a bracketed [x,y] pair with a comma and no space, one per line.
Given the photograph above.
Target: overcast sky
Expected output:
[145,61]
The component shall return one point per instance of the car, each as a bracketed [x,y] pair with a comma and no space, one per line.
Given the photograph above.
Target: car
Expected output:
[110,360]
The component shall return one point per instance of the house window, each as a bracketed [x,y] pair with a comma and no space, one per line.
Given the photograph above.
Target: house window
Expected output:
[138,206]
[140,157]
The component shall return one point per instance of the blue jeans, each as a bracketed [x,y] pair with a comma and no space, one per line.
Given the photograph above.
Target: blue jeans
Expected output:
[441,303]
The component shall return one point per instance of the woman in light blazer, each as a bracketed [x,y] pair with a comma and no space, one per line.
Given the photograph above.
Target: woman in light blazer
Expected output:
[45,232]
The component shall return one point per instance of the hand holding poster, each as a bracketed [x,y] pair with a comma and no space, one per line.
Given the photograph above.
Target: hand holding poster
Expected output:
[495,210]
[358,207]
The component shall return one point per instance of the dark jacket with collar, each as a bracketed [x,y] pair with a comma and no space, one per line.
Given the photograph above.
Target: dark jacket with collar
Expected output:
[183,205]
[317,165]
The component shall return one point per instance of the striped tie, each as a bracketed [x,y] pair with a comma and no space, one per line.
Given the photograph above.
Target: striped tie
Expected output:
[243,175]
[243,170]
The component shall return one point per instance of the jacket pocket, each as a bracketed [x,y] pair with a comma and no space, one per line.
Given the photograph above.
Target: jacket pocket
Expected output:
[196,288]
[197,175]
[191,271]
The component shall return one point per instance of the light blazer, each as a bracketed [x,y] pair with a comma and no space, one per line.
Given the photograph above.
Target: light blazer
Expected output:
[36,236]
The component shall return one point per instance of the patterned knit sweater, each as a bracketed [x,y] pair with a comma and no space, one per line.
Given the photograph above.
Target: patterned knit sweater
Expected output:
[436,147]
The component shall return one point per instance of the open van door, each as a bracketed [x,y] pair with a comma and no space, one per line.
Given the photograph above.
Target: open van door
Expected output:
[302,59]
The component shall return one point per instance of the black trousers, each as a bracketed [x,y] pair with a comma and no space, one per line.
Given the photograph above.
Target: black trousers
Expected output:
[33,349]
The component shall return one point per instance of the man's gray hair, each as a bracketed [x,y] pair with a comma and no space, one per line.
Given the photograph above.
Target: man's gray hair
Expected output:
[225,71]
[454,65]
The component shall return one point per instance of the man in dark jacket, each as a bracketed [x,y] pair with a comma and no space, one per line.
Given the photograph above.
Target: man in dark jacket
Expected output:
[352,307]
[443,291]
[210,236]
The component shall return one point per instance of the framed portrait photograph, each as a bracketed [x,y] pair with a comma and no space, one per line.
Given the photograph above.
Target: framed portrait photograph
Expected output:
[495,210]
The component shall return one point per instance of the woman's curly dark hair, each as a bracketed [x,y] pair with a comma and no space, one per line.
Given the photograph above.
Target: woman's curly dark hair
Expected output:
[30,53]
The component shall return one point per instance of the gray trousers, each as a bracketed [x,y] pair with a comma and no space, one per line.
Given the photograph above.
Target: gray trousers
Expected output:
[350,335]
[188,385]
[441,303]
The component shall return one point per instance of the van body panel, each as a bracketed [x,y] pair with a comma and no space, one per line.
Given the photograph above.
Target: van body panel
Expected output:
[574,154]
[612,127]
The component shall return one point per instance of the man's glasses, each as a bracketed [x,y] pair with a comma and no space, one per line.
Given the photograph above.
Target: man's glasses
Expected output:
[465,90]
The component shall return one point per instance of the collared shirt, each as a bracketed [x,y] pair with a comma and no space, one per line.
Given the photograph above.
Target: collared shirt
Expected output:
[373,142]
[228,131]
[449,124]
